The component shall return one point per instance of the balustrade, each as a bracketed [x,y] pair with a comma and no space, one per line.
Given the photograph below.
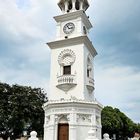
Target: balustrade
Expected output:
[66,82]
[90,84]
[68,79]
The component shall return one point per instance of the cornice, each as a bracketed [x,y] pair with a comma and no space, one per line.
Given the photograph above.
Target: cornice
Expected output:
[73,41]
[72,102]
[74,15]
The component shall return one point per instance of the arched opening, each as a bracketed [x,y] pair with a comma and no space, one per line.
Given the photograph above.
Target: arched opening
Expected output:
[89,68]
[67,70]
[63,129]
[77,5]
[84,30]
[70,5]
[66,60]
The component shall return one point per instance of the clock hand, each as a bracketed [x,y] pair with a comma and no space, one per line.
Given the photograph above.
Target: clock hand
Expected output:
[68,26]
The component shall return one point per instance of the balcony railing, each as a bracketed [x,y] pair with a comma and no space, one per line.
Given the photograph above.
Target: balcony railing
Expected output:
[90,84]
[66,82]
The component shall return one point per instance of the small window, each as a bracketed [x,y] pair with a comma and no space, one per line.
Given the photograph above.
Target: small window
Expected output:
[88,72]
[70,5]
[84,30]
[67,70]
[89,67]
[77,5]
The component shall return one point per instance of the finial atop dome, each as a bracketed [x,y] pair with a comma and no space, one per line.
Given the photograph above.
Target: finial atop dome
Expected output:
[73,5]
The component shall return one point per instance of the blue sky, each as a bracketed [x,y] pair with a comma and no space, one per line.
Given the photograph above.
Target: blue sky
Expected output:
[26,26]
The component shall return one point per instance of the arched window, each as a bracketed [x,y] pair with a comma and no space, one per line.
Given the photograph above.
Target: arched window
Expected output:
[70,5]
[63,129]
[65,60]
[84,30]
[89,67]
[66,70]
[77,5]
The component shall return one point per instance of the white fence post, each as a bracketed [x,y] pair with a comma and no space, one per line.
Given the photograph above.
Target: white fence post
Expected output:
[106,137]
[33,136]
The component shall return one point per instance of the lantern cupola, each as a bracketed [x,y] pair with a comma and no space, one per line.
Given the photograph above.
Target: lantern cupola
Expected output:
[73,5]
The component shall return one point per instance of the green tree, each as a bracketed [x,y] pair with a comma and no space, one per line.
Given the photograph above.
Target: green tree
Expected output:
[111,122]
[5,92]
[21,108]
[128,126]
[116,122]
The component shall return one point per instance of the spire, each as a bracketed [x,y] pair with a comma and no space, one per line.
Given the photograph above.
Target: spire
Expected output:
[73,5]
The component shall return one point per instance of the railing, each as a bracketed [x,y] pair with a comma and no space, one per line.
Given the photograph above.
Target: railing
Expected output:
[66,79]
[66,82]
[90,84]
[90,81]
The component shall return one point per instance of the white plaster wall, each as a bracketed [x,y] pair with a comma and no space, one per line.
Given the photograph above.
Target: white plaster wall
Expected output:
[82,132]
[88,96]
[77,32]
[77,67]
[81,118]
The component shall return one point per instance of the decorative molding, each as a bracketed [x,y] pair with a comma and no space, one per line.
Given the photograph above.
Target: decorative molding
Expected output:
[74,15]
[66,82]
[63,110]
[66,57]
[47,120]
[74,41]
[83,118]
[73,100]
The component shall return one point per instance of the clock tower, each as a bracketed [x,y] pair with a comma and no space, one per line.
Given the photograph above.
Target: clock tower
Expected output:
[72,110]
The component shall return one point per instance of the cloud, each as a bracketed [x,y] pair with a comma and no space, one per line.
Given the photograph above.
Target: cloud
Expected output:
[28,77]
[23,50]
[116,36]
[118,87]
[116,31]
[19,23]
[26,26]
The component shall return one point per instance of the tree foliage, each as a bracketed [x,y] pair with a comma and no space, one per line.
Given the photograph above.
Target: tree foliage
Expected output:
[116,122]
[20,109]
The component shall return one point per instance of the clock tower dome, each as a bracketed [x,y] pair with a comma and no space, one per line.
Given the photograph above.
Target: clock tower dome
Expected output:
[71,110]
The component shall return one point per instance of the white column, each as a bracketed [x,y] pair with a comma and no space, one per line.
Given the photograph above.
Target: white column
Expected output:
[58,30]
[66,6]
[45,127]
[72,126]
[63,9]
[93,118]
[100,127]
[56,127]
[73,5]
[45,132]
[79,26]
[81,5]
[51,128]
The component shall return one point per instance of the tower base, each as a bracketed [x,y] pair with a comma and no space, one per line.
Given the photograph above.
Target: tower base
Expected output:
[71,119]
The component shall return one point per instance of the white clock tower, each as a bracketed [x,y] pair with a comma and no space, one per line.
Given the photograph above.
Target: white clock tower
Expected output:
[71,110]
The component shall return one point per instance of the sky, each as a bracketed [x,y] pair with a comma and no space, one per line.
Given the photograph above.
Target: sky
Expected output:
[26,26]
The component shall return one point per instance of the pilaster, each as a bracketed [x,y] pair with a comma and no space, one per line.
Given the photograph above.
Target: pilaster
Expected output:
[73,125]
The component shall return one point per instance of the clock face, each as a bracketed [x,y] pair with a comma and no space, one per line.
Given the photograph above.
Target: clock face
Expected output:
[69,28]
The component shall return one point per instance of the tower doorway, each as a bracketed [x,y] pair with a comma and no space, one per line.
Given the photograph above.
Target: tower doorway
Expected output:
[63,131]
